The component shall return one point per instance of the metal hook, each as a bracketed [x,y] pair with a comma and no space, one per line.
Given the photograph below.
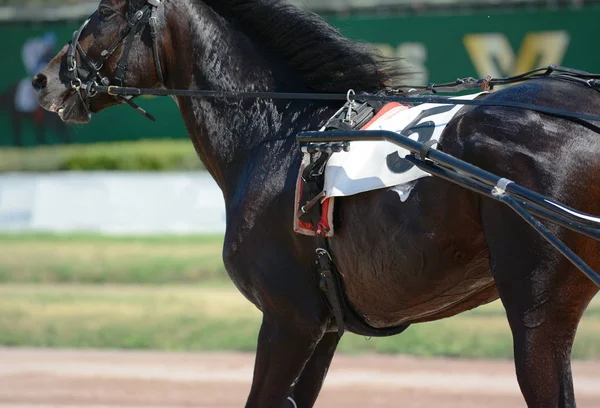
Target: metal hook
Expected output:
[350,96]
[350,100]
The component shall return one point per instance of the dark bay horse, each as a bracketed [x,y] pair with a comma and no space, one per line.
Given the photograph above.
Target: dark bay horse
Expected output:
[444,251]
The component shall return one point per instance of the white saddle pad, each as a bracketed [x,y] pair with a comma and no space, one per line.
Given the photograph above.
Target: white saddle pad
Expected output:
[379,164]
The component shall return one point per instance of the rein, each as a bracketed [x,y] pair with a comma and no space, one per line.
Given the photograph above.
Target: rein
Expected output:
[410,95]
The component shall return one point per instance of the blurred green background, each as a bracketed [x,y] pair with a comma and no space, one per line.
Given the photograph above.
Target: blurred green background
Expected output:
[436,41]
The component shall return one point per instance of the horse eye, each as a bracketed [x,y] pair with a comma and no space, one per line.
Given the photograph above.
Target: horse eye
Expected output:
[105,12]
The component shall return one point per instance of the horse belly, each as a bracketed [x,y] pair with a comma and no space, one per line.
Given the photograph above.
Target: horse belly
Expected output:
[414,261]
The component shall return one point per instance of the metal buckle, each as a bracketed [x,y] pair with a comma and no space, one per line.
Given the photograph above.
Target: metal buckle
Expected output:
[323,252]
[76,84]
[91,89]
[108,91]
[500,188]
[154,3]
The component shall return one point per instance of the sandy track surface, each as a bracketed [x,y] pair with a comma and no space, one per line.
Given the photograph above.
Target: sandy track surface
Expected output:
[45,379]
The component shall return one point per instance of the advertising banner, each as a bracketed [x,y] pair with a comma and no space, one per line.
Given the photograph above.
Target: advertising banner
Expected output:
[433,47]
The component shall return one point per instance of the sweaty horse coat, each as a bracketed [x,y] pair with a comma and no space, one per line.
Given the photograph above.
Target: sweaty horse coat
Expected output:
[444,251]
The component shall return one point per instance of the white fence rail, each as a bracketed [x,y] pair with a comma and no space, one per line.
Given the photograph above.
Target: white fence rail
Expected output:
[112,202]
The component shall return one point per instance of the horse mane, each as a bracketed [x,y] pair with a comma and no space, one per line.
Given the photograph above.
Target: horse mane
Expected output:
[317,52]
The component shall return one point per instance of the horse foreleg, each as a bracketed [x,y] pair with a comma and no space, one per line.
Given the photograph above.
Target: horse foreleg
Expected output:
[309,384]
[283,351]
[544,297]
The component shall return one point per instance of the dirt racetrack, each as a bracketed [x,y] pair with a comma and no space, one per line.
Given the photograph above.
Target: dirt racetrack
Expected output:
[44,379]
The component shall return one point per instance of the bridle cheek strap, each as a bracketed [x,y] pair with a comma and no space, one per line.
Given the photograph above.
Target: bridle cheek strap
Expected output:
[154,35]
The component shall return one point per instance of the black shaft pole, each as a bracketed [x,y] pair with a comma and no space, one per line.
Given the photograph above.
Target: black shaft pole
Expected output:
[551,238]
[447,160]
[483,189]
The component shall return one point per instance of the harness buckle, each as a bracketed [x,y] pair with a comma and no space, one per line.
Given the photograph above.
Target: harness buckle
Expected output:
[323,252]
[76,84]
[136,18]
[91,89]
[110,92]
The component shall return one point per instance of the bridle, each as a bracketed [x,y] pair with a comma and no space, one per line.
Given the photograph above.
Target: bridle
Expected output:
[90,77]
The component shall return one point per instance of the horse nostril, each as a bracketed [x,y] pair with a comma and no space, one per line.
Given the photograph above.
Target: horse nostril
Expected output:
[39,82]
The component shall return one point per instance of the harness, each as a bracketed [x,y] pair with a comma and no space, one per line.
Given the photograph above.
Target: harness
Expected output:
[89,77]
[320,147]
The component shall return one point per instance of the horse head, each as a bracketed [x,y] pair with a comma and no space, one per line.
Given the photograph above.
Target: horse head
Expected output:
[117,45]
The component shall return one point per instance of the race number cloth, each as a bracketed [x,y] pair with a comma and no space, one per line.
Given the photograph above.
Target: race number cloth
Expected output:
[375,165]
[379,164]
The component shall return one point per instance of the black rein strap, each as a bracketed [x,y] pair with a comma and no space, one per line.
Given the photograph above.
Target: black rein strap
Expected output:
[580,118]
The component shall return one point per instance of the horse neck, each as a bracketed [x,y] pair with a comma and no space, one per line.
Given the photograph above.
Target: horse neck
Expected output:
[208,54]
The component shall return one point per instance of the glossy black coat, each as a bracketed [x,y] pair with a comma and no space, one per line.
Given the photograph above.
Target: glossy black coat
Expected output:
[444,251]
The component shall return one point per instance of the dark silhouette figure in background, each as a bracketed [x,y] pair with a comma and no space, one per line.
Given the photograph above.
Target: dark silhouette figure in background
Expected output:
[20,99]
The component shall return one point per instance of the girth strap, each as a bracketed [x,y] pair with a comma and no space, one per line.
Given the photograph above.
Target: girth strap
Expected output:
[346,318]
[328,282]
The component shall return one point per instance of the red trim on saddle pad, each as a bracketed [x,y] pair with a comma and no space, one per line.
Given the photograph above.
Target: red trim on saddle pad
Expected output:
[326,222]
[388,107]
[325,226]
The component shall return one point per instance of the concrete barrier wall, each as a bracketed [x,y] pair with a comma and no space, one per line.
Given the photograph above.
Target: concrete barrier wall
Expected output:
[112,202]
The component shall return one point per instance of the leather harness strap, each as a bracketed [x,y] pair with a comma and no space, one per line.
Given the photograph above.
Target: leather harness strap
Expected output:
[91,71]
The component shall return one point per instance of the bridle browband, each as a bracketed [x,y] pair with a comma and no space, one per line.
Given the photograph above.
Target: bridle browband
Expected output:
[91,74]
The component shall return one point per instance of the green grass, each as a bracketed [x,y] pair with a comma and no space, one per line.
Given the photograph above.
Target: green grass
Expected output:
[98,316]
[217,317]
[147,155]
[128,292]
[45,258]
